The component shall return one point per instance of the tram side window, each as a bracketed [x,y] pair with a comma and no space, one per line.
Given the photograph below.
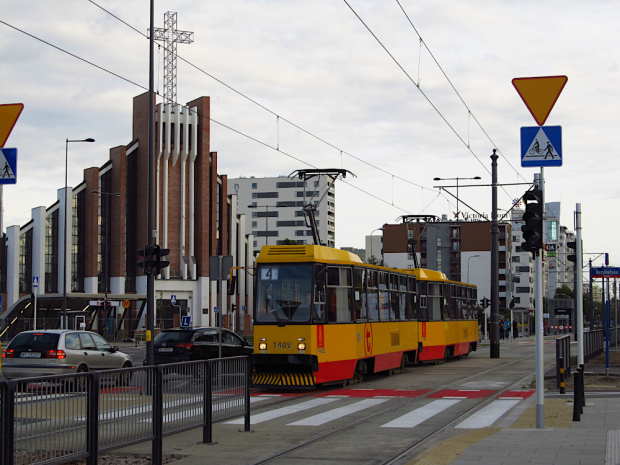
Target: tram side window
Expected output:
[384,298]
[372,295]
[394,297]
[445,303]
[402,297]
[434,301]
[423,315]
[339,305]
[359,294]
[453,301]
[411,309]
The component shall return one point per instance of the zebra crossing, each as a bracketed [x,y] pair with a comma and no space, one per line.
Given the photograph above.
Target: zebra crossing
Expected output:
[338,404]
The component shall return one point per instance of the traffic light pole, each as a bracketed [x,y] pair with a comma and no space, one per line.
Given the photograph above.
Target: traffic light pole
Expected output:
[540,366]
[579,285]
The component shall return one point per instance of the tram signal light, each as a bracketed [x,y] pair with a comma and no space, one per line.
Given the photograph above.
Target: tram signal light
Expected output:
[533,219]
[159,263]
[572,257]
[148,258]
[484,303]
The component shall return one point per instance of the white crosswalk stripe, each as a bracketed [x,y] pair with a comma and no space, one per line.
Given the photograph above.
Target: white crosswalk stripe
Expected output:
[421,414]
[280,412]
[489,414]
[336,413]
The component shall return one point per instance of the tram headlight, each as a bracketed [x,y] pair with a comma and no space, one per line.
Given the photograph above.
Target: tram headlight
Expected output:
[262,346]
[301,346]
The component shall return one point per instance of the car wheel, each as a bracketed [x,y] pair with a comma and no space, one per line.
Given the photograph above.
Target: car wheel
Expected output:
[79,383]
[124,378]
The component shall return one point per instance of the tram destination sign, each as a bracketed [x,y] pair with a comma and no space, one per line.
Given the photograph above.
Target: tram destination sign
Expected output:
[605,272]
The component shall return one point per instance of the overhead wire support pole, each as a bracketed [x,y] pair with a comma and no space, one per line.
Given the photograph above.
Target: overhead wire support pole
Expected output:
[494,260]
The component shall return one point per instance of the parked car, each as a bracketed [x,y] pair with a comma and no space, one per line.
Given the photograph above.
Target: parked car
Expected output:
[57,352]
[181,345]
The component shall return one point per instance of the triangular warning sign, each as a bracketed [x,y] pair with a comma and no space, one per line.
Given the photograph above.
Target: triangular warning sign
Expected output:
[540,94]
[8,117]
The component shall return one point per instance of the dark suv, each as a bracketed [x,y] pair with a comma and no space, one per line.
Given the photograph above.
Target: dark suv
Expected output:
[181,345]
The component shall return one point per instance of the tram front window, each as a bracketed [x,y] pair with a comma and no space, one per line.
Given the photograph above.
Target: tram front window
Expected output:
[284,294]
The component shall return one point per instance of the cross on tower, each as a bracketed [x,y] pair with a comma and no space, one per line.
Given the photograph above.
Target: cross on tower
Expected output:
[171,36]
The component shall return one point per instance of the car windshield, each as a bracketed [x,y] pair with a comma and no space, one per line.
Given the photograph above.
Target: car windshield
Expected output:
[39,342]
[284,293]
[173,337]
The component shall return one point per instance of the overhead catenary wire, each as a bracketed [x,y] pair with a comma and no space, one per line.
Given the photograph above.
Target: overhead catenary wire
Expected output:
[276,148]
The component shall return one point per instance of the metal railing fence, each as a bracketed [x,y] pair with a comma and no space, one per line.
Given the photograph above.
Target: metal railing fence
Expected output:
[60,419]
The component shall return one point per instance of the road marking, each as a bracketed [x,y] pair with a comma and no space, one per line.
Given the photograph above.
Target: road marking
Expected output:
[489,414]
[280,412]
[322,418]
[421,414]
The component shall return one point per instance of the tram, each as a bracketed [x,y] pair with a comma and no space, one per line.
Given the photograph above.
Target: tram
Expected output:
[323,316]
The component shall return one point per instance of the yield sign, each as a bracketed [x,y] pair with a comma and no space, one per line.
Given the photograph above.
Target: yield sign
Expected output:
[8,117]
[540,94]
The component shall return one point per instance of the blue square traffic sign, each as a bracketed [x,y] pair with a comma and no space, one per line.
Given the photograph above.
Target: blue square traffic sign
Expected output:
[541,146]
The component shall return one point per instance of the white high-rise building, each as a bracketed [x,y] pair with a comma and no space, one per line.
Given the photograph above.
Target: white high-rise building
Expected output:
[274,209]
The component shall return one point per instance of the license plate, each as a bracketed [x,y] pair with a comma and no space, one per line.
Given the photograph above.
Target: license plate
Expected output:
[30,355]
[165,349]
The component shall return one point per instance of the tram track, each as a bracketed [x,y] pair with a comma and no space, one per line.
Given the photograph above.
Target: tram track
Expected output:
[406,451]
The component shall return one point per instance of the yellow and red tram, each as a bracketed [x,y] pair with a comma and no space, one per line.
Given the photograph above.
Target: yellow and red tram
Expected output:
[321,315]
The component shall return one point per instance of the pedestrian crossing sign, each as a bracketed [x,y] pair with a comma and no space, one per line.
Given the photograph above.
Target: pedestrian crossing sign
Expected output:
[8,166]
[541,146]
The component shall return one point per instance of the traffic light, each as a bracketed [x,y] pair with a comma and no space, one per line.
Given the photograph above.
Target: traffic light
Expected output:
[533,219]
[484,302]
[233,307]
[148,258]
[572,257]
[232,284]
[159,263]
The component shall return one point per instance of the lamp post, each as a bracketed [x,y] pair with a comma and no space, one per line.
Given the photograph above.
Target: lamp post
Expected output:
[371,254]
[473,256]
[457,190]
[68,223]
[266,207]
[104,258]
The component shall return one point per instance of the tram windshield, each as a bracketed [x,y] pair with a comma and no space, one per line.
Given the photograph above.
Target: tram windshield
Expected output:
[284,293]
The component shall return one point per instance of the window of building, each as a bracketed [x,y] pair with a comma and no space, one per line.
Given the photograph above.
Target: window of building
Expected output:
[264,195]
[523,269]
[522,290]
[516,259]
[254,185]
[51,252]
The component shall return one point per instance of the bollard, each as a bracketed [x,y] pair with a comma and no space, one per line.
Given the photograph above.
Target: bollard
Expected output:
[582,370]
[562,383]
[576,397]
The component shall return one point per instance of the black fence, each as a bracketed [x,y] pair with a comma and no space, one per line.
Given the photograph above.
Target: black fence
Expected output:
[60,419]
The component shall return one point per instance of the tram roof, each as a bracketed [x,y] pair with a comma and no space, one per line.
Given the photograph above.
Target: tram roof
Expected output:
[305,253]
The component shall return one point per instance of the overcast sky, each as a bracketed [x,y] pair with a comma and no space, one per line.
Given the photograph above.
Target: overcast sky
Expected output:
[394,109]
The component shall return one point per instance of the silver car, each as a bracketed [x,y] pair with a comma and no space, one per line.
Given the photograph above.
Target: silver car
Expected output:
[57,352]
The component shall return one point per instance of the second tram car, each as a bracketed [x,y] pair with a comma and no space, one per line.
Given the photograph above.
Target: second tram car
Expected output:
[324,316]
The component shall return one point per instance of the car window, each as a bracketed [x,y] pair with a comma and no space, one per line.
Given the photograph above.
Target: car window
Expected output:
[87,342]
[39,342]
[72,341]
[101,343]
[230,338]
[173,336]
[207,336]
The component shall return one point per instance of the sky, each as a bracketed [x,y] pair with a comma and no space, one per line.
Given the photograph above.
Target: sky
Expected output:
[397,92]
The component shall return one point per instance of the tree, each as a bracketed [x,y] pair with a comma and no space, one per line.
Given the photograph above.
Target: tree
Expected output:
[563,292]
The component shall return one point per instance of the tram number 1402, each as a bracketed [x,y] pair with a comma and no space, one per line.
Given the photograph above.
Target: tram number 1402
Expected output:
[281,345]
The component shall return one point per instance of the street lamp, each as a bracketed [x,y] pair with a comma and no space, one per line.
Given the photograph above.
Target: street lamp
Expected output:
[104,258]
[473,256]
[63,323]
[457,190]
[266,207]
[371,254]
